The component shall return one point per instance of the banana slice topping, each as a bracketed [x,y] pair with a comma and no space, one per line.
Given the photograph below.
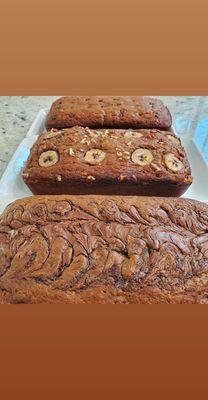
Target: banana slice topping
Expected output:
[94,156]
[172,162]
[173,139]
[132,135]
[48,158]
[142,157]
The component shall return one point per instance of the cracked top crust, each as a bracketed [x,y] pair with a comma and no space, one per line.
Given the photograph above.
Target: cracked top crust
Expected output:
[101,249]
[109,111]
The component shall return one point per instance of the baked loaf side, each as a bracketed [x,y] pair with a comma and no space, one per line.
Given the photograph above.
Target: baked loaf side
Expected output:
[97,249]
[117,112]
[108,161]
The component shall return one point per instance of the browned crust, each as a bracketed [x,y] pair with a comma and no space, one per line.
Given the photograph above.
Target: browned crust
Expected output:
[116,174]
[104,249]
[109,111]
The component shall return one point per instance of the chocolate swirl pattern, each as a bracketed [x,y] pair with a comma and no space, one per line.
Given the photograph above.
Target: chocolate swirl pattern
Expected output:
[91,249]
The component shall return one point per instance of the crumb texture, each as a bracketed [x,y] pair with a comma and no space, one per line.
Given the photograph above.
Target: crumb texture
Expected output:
[97,249]
[108,111]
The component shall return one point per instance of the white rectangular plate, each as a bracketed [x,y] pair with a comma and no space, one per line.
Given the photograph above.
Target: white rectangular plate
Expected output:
[12,186]
[38,125]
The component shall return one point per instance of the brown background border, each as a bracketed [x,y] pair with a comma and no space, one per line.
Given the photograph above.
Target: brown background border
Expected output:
[103,352]
[108,47]
[103,47]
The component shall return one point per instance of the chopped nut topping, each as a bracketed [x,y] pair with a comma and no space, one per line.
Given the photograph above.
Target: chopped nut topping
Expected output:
[155,166]
[84,140]
[53,133]
[88,130]
[71,151]
[91,178]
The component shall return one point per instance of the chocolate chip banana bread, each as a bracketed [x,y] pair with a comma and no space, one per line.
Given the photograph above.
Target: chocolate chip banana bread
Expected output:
[100,249]
[110,112]
[108,161]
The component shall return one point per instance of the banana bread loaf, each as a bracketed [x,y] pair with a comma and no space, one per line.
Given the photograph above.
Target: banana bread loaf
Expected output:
[99,249]
[108,161]
[111,112]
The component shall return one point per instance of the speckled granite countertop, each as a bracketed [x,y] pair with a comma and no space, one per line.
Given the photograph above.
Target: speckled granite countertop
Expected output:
[190,115]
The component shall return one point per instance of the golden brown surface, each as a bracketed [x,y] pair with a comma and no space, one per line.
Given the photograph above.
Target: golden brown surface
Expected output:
[108,161]
[109,111]
[97,249]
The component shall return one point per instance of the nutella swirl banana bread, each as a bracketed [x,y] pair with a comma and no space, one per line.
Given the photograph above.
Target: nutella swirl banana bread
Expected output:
[97,249]
[108,161]
[111,112]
